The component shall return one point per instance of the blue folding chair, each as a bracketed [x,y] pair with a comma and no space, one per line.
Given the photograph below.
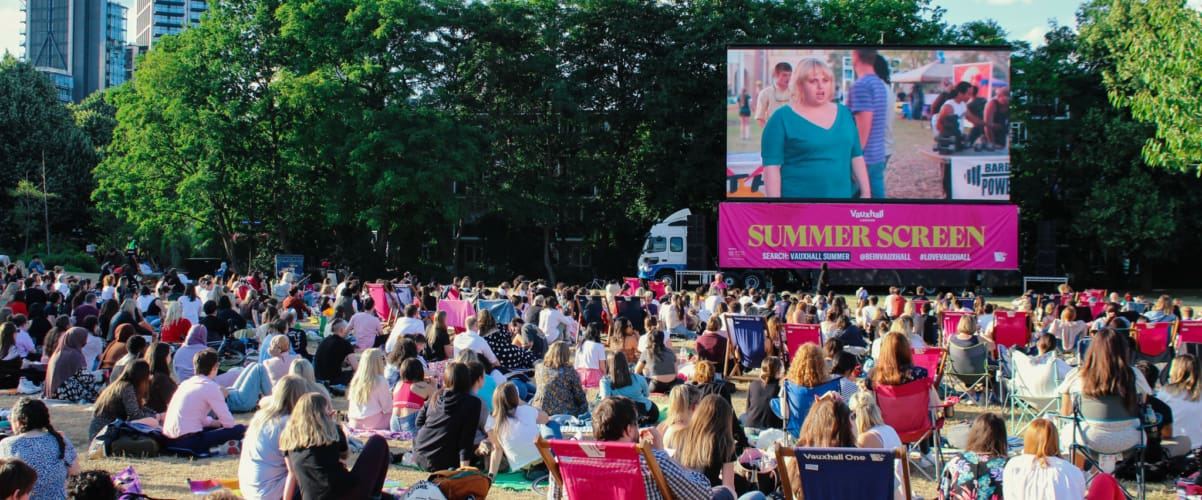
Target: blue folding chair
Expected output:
[747,337]
[844,473]
[502,310]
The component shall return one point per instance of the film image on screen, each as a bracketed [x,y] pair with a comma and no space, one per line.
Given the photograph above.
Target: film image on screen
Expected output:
[911,123]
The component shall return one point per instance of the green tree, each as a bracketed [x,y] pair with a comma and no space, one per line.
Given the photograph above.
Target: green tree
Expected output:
[1153,53]
[35,125]
[29,211]
[97,118]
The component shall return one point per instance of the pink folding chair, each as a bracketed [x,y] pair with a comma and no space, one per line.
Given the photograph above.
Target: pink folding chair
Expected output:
[660,288]
[601,469]
[590,378]
[1151,339]
[951,321]
[1011,329]
[908,409]
[380,300]
[1189,332]
[796,335]
[634,285]
[919,304]
[930,358]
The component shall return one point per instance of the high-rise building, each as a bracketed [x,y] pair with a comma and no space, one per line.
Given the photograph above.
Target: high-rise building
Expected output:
[156,18]
[71,41]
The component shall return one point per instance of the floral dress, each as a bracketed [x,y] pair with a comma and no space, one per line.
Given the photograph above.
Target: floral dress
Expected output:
[83,387]
[559,391]
[972,476]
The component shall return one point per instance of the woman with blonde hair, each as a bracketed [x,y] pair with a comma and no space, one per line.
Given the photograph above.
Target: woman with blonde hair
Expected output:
[281,358]
[175,325]
[1040,472]
[809,376]
[682,401]
[302,368]
[873,432]
[369,400]
[559,389]
[316,449]
[1162,310]
[515,429]
[810,147]
[262,473]
[1183,394]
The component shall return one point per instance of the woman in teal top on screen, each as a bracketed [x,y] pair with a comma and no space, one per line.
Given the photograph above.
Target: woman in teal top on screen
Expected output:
[811,148]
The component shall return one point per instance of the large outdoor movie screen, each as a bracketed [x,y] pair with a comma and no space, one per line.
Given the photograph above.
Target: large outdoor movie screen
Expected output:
[861,123]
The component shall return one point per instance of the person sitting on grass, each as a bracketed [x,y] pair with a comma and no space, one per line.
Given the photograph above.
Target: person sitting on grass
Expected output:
[262,473]
[162,381]
[92,485]
[618,381]
[316,450]
[708,446]
[369,400]
[134,348]
[333,353]
[515,428]
[682,401]
[67,376]
[559,389]
[188,426]
[409,396]
[760,393]
[658,363]
[124,399]
[47,451]
[1040,472]
[448,423]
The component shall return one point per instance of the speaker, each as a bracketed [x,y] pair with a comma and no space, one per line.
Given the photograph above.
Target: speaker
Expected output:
[698,251]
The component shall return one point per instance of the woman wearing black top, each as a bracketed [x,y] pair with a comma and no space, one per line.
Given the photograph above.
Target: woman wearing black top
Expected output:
[760,393]
[315,448]
[438,334]
[448,422]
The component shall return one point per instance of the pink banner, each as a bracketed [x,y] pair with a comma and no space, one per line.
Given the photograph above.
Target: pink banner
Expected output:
[856,236]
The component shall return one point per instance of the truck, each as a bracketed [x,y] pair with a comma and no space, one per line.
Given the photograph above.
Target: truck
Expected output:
[677,251]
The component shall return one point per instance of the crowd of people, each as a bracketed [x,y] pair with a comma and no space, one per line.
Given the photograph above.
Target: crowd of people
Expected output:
[483,392]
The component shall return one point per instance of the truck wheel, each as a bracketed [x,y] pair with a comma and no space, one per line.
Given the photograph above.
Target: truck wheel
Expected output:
[752,280]
[667,277]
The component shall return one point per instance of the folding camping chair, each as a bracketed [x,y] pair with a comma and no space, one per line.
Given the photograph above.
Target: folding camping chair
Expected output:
[1031,388]
[798,400]
[595,469]
[1102,410]
[964,376]
[1011,328]
[1152,343]
[592,310]
[933,359]
[1188,337]
[379,297]
[797,334]
[457,311]
[747,336]
[909,410]
[502,310]
[631,308]
[824,472]
[951,321]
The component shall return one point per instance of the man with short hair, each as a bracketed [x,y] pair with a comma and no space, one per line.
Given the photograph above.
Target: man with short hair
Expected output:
[188,424]
[334,352]
[88,308]
[868,101]
[218,328]
[409,324]
[471,340]
[775,96]
[1111,316]
[616,419]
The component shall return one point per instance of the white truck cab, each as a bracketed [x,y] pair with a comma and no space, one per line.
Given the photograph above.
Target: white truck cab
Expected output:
[665,248]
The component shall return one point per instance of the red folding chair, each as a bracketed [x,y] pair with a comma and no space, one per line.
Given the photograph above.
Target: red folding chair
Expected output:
[1011,329]
[596,469]
[797,335]
[932,359]
[380,298]
[634,285]
[659,287]
[1188,332]
[951,321]
[908,409]
[919,304]
[1151,339]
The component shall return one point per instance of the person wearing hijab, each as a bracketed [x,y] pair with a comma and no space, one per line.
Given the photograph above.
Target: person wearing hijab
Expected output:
[194,342]
[116,349]
[67,375]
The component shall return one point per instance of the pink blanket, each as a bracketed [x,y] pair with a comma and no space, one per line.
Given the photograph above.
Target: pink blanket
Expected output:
[457,311]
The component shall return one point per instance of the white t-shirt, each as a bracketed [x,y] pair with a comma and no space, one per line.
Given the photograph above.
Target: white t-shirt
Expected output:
[1187,415]
[108,292]
[473,341]
[261,470]
[518,437]
[1072,384]
[92,350]
[549,321]
[668,317]
[711,303]
[890,440]
[1027,479]
[591,355]
[403,326]
[144,302]
[190,309]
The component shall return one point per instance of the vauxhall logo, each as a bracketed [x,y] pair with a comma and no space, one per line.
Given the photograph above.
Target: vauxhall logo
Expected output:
[867,214]
[992,178]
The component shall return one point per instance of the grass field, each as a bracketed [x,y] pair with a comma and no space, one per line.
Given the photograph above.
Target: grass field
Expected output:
[166,477]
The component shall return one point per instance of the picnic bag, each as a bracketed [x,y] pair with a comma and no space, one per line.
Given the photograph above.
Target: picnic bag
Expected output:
[121,438]
[465,483]
[424,490]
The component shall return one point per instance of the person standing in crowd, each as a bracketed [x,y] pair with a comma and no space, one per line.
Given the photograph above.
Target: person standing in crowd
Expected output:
[868,101]
[37,444]
[775,96]
[188,424]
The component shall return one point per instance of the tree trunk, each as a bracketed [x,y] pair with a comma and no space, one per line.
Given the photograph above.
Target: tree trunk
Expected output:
[547,254]
[456,251]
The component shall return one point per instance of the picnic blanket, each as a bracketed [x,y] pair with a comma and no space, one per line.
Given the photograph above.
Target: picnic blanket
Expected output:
[205,486]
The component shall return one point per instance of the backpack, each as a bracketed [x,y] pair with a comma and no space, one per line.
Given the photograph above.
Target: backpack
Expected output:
[121,438]
[462,484]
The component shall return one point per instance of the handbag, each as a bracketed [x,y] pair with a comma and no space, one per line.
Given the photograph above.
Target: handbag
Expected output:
[464,483]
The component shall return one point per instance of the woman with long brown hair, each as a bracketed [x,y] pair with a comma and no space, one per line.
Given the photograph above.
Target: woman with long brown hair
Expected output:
[708,445]
[124,399]
[1107,391]
[624,338]
[1183,394]
[978,471]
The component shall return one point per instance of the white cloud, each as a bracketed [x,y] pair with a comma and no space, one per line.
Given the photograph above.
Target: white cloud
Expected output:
[1194,4]
[1007,2]
[10,27]
[1034,36]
